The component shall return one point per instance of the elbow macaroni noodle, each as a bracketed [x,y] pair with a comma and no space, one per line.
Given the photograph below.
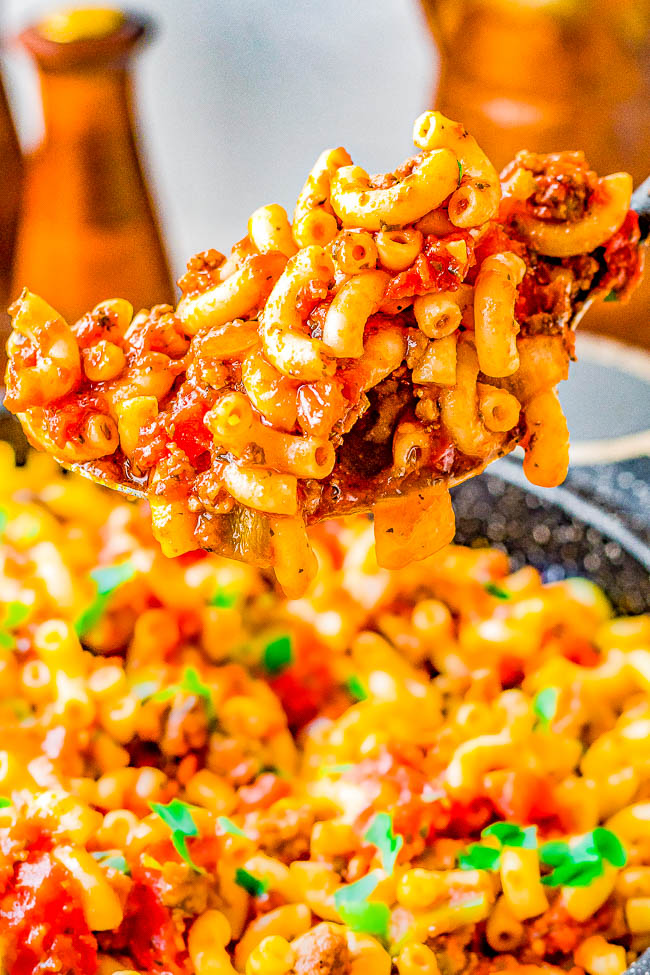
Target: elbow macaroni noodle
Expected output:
[398,334]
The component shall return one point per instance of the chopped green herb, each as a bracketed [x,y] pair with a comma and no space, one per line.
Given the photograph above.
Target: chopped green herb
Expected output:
[252,885]
[4,518]
[460,171]
[228,826]
[16,614]
[574,874]
[609,847]
[356,688]
[278,654]
[112,859]
[7,642]
[612,296]
[107,579]
[574,865]
[355,910]
[577,864]
[326,770]
[178,816]
[223,599]
[387,842]
[110,577]
[479,857]
[366,918]
[191,683]
[509,834]
[359,890]
[482,856]
[91,616]
[554,852]
[4,802]
[497,591]
[545,706]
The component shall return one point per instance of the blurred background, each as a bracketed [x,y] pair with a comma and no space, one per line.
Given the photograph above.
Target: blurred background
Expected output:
[236,99]
[231,101]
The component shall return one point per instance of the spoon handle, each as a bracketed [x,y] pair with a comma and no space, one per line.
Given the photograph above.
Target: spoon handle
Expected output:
[641,203]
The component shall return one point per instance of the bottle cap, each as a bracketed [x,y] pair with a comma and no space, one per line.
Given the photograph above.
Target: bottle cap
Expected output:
[85,38]
[85,24]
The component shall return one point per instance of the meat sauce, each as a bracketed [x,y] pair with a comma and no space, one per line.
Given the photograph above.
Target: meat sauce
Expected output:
[180,448]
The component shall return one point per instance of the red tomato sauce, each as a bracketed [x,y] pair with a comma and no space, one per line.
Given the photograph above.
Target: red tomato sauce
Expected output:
[67,415]
[435,269]
[42,918]
[624,257]
[148,933]
[306,686]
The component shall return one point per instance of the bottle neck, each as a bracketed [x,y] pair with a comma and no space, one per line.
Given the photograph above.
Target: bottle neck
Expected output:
[86,79]
[78,102]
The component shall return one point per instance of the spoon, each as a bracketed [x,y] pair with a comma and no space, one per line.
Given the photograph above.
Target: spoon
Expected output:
[105,474]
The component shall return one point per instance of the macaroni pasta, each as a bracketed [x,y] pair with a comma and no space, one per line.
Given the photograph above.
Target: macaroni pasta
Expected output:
[442,768]
[399,334]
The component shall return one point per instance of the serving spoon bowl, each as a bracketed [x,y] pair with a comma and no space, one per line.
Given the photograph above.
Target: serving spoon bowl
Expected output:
[106,474]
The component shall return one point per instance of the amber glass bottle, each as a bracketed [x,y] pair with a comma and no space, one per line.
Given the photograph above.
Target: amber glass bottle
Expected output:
[549,75]
[10,186]
[88,229]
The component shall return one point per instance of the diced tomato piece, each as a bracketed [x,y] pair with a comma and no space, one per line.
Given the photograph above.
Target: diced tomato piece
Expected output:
[42,921]
[148,933]
[511,671]
[497,241]
[435,269]
[581,651]
[525,798]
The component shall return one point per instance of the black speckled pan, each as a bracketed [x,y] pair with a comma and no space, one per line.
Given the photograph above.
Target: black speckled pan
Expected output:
[596,525]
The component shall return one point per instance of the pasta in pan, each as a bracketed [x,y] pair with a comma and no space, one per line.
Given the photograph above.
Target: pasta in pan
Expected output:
[403,331]
[438,769]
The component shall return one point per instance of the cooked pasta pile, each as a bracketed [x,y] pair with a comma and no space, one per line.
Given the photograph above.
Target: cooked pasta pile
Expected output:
[441,769]
[402,332]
